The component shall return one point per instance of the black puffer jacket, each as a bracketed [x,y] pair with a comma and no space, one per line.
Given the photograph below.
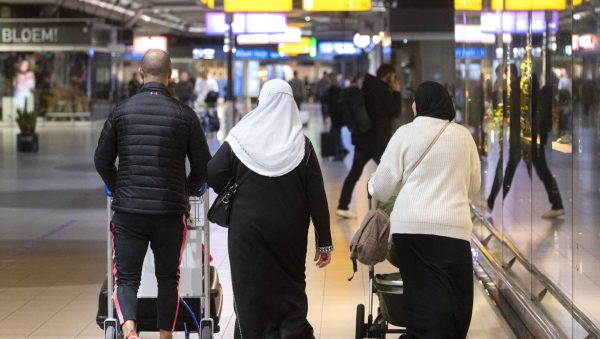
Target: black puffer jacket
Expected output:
[152,133]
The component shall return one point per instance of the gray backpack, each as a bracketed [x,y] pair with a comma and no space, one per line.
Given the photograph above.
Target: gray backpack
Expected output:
[370,243]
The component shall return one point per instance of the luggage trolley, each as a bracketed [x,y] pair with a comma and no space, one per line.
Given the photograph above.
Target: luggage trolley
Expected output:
[389,289]
[201,294]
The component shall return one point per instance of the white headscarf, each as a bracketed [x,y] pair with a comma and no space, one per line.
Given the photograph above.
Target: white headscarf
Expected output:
[269,139]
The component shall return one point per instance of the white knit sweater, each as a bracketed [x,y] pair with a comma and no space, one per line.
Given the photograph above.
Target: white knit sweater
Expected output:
[435,199]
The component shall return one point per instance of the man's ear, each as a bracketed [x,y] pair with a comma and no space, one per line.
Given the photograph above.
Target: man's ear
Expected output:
[141,73]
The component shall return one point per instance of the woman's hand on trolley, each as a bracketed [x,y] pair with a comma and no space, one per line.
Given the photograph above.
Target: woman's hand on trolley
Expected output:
[322,259]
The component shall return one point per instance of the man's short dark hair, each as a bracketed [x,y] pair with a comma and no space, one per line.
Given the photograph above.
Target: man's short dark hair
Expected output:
[156,63]
[384,70]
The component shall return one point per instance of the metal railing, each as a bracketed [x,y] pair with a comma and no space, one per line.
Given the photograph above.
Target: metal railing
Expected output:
[548,285]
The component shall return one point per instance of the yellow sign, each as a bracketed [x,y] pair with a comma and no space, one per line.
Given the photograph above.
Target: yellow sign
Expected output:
[302,47]
[258,5]
[530,5]
[467,5]
[336,5]
[577,2]
[209,3]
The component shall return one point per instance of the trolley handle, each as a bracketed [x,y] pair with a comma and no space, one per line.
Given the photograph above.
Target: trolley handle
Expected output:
[202,190]
[107,192]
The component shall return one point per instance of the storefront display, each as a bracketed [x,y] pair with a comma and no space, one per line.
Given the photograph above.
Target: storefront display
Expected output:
[61,69]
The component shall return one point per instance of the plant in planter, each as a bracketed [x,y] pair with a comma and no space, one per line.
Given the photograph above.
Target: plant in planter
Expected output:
[27,140]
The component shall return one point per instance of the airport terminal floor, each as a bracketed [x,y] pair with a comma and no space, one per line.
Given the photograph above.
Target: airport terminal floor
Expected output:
[53,244]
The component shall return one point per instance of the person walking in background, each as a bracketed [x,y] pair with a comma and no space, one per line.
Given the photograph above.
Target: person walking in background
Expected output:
[133,86]
[298,89]
[431,220]
[383,102]
[152,134]
[185,89]
[332,99]
[204,85]
[280,190]
[320,90]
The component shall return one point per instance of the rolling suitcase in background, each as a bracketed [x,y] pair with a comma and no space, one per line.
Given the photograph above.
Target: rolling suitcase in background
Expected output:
[327,145]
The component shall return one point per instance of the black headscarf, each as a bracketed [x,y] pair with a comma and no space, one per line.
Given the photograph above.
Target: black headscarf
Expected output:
[433,100]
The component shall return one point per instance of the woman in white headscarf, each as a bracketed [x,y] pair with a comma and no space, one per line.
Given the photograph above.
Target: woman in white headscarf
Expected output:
[280,189]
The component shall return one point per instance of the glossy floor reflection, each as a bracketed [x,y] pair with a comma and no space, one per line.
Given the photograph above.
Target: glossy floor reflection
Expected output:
[52,245]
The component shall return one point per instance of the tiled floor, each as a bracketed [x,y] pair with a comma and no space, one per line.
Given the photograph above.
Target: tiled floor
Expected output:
[52,246]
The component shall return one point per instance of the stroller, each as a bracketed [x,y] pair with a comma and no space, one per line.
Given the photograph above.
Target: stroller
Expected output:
[201,292]
[390,292]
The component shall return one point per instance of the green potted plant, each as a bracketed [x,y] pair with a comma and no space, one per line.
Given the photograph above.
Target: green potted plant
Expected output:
[27,140]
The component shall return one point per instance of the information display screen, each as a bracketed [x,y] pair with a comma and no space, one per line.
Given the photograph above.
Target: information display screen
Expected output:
[258,6]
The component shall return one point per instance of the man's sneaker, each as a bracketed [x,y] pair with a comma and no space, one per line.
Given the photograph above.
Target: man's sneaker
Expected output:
[346,214]
[551,214]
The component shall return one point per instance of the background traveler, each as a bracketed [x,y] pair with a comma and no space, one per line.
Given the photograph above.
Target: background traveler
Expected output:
[281,190]
[383,102]
[185,90]
[332,99]
[298,89]
[152,134]
[204,85]
[133,86]
[431,220]
[320,90]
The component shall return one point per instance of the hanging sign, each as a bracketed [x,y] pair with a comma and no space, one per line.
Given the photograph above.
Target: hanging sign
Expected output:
[44,33]
[520,5]
[258,5]
[467,5]
[336,5]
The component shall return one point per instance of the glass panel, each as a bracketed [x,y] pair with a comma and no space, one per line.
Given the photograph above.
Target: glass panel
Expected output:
[586,160]
[550,155]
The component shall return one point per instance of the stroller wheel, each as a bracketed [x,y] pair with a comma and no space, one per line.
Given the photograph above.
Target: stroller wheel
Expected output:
[360,318]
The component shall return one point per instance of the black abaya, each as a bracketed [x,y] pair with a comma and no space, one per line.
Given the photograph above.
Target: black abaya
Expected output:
[267,243]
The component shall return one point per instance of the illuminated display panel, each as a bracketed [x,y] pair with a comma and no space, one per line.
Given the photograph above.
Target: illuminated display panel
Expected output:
[258,5]
[141,44]
[467,5]
[303,47]
[520,5]
[336,5]
[246,23]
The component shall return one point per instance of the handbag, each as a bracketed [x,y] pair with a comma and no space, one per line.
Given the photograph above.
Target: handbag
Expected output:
[370,244]
[220,211]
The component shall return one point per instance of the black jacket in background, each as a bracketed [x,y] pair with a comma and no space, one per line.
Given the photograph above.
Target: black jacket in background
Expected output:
[152,134]
[382,106]
[332,97]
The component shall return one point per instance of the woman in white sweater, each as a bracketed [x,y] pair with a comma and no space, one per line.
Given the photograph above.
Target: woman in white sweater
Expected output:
[431,221]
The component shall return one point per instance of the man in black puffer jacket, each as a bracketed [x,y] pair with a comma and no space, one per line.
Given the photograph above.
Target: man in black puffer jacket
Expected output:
[152,134]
